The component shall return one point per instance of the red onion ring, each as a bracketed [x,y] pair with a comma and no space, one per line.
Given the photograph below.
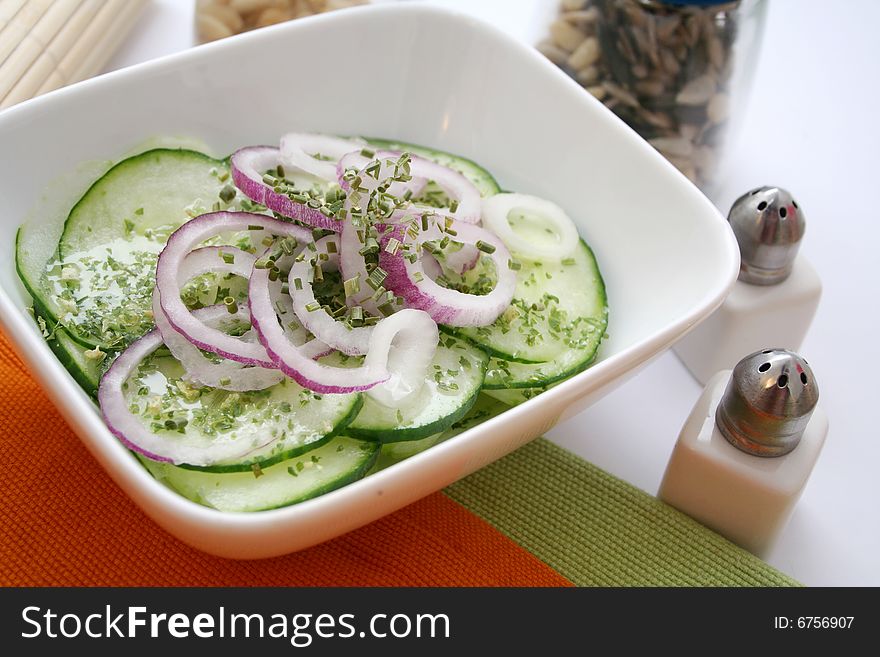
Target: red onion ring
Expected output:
[184,240]
[132,433]
[226,375]
[447,306]
[247,165]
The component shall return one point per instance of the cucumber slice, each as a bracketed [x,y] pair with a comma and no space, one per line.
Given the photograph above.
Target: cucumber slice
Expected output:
[514,396]
[503,374]
[331,466]
[99,284]
[482,179]
[557,307]
[484,409]
[450,389]
[301,420]
[86,371]
[152,190]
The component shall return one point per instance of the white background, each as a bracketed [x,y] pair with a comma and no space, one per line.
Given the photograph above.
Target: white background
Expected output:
[811,127]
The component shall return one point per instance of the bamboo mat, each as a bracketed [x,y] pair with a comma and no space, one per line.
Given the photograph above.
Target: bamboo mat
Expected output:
[46,44]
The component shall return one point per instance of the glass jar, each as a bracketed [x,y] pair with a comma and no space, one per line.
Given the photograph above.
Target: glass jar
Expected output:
[677,72]
[216,19]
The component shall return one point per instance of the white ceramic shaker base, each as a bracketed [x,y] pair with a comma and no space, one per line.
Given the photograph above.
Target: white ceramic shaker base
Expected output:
[753,317]
[746,498]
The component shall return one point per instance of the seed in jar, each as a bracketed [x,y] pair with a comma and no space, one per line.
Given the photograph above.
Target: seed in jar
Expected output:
[587,76]
[657,119]
[717,108]
[553,52]
[669,62]
[697,92]
[565,35]
[572,5]
[585,54]
[640,71]
[666,26]
[651,87]
[716,53]
[672,146]
[598,91]
[621,94]
[211,28]
[689,131]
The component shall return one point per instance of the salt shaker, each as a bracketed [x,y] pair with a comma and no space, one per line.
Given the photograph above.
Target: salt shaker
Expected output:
[777,293]
[746,451]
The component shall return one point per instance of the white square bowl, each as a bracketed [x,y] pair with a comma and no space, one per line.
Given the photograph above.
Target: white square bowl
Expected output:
[412,73]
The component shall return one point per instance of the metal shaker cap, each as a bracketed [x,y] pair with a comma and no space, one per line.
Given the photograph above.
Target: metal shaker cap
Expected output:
[768,225]
[767,403]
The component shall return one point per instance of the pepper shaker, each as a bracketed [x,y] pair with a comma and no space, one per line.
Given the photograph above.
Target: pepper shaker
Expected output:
[745,453]
[777,293]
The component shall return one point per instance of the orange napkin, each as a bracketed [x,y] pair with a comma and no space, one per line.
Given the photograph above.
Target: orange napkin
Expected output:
[63,522]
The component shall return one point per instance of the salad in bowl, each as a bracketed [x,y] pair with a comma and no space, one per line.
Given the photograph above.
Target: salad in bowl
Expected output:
[264,328]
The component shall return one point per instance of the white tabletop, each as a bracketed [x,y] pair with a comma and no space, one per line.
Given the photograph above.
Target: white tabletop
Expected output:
[812,128]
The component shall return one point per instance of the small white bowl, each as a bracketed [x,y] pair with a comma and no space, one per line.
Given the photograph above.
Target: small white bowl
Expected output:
[400,71]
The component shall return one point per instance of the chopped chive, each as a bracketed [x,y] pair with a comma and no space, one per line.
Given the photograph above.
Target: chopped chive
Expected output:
[279,171]
[331,247]
[568,261]
[366,152]
[273,273]
[228,258]
[231,305]
[352,286]
[227,193]
[297,283]
[313,306]
[485,247]
[318,273]
[514,265]
[225,381]
[254,227]
[454,205]
[139,212]
[392,245]
[129,226]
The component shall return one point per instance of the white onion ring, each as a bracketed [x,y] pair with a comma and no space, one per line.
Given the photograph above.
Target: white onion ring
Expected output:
[179,245]
[359,161]
[132,433]
[354,341]
[247,165]
[297,150]
[447,306]
[324,379]
[401,341]
[496,210]
[456,186]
